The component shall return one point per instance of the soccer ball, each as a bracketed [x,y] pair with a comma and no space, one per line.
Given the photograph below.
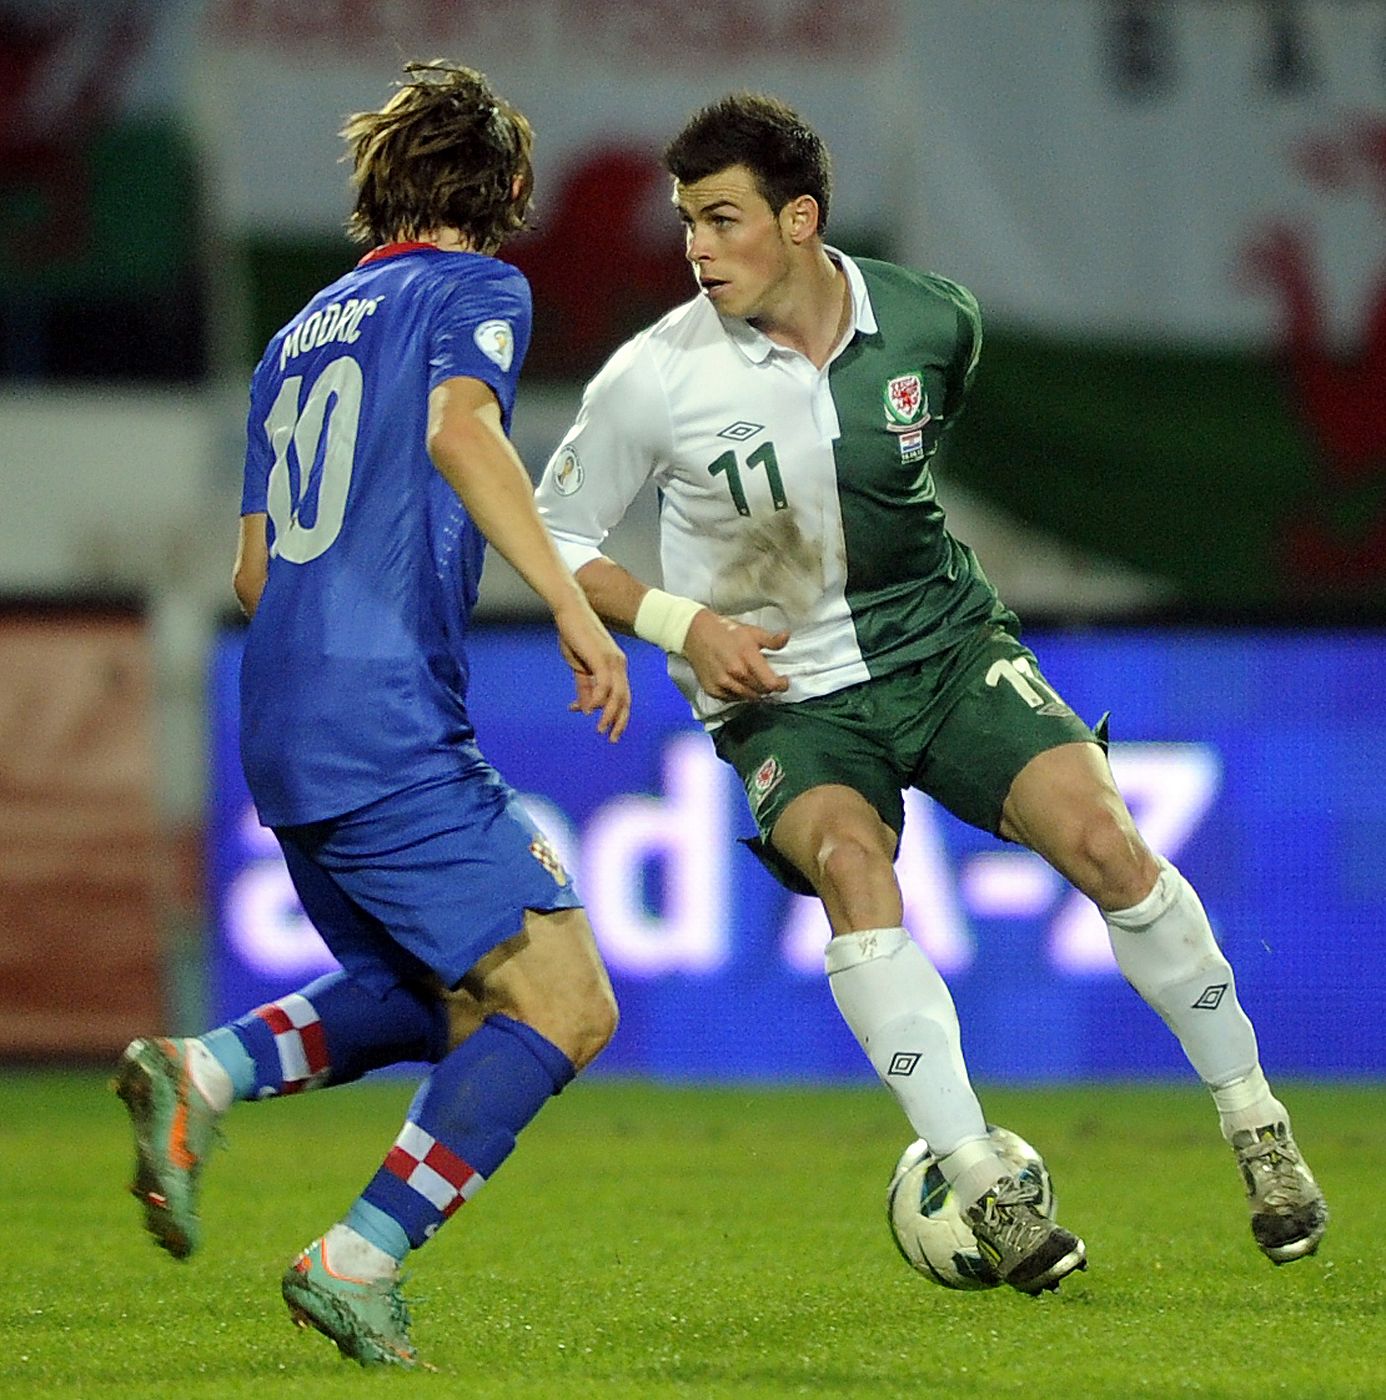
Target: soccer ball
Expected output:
[928,1225]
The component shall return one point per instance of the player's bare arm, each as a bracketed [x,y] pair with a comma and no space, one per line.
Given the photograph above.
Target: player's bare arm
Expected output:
[467,444]
[252,562]
[728,657]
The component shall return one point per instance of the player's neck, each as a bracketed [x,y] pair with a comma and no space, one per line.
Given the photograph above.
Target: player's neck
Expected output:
[816,314]
[450,240]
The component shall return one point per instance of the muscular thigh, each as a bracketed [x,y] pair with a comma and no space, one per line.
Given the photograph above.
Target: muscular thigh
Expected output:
[1003,713]
[782,752]
[552,962]
[549,976]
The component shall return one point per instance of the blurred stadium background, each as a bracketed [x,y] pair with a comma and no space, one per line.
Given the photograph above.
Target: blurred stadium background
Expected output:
[1174,467]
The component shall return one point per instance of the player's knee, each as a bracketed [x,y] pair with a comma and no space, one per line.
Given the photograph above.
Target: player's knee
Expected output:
[1111,863]
[587,1026]
[848,863]
[603,1018]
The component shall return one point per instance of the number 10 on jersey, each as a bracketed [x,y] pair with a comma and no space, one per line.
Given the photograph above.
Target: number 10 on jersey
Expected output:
[334,400]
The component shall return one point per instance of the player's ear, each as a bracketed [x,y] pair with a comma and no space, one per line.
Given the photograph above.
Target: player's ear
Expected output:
[799,218]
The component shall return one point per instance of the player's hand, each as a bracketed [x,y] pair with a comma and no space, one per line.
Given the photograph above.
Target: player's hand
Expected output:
[599,667]
[729,660]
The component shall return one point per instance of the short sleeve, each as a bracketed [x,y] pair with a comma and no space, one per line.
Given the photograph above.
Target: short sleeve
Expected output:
[968,346]
[480,328]
[620,439]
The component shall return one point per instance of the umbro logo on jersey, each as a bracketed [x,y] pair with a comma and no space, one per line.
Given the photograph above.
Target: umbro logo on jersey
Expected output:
[740,430]
[903,1062]
[1054,709]
[1210,998]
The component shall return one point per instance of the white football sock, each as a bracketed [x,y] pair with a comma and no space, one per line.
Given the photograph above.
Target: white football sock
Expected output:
[972,1167]
[1166,950]
[346,1252]
[209,1076]
[1248,1104]
[902,1015]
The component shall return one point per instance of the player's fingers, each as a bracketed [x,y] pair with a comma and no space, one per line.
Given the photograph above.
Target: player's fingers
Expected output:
[615,716]
[764,677]
[772,641]
[610,682]
[611,695]
[734,687]
[588,693]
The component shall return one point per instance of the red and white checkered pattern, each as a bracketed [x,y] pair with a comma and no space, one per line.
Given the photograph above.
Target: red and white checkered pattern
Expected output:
[299,1038]
[435,1172]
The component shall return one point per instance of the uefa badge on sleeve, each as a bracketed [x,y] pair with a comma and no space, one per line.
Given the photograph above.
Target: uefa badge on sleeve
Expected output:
[567,472]
[496,340]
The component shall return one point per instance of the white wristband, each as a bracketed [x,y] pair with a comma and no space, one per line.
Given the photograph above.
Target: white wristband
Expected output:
[664,619]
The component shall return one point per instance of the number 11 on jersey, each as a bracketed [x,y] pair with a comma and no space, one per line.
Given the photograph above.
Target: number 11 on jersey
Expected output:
[763,456]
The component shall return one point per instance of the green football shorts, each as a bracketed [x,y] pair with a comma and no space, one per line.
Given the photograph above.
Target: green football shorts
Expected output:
[958,726]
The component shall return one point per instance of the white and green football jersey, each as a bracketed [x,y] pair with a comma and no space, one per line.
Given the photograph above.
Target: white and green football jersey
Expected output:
[790,497]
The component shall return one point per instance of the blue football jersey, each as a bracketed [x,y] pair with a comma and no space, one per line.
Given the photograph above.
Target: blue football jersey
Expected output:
[354,680]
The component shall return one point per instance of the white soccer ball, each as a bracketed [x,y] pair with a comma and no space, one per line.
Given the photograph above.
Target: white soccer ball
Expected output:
[927,1224]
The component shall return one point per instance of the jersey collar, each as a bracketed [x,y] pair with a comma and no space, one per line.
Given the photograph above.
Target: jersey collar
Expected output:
[758,347]
[393,250]
[863,313]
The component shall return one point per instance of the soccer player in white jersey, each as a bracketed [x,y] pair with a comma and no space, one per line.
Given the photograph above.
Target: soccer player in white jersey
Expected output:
[840,646]
[377,469]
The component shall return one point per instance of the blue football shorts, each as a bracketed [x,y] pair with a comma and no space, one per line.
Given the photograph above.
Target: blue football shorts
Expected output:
[426,880]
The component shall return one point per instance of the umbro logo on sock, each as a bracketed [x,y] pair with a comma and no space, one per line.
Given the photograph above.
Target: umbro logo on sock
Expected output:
[1210,998]
[903,1062]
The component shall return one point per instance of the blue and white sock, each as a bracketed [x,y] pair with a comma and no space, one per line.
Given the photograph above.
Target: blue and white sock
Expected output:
[461,1126]
[330,1032]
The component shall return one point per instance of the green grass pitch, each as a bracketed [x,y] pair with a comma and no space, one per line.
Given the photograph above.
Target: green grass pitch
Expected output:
[649,1241]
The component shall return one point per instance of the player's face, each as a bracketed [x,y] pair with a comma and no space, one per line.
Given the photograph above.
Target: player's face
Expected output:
[739,248]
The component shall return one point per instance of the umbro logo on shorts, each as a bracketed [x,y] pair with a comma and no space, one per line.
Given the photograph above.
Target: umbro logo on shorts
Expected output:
[903,1062]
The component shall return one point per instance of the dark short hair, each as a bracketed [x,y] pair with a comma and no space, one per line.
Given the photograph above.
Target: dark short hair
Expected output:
[443,152]
[785,154]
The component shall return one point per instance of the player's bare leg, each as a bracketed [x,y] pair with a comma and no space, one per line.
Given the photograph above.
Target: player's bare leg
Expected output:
[1065,806]
[552,978]
[527,1017]
[902,1014]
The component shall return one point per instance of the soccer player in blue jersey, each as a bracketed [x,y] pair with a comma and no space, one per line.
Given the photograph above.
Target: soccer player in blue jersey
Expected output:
[377,468]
